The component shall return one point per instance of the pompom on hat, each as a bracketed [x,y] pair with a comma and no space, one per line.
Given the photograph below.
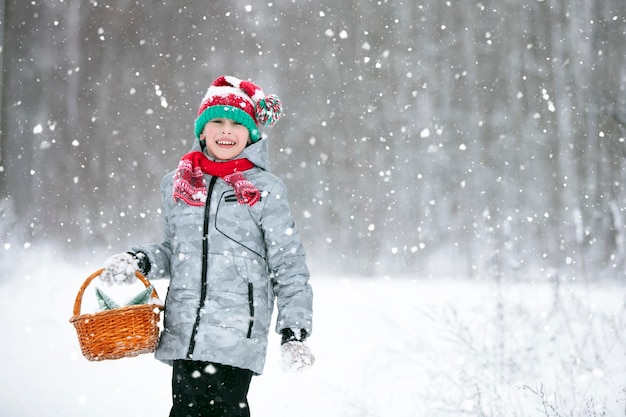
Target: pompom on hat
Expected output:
[242,101]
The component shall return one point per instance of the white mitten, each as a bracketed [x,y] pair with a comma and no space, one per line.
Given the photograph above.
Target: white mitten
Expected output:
[296,356]
[120,269]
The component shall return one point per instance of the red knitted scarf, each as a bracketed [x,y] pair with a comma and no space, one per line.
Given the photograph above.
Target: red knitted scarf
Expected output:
[189,184]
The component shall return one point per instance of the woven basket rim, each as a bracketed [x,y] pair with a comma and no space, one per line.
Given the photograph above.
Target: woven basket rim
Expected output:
[103,314]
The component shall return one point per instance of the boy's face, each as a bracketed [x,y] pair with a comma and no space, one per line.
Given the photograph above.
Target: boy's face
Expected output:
[224,138]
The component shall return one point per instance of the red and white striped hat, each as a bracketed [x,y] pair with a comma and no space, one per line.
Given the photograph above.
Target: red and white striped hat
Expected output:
[241,101]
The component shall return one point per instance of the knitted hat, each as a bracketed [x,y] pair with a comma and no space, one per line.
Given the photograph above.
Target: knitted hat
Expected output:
[242,101]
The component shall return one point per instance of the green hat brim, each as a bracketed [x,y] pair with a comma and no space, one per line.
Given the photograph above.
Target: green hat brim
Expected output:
[227,112]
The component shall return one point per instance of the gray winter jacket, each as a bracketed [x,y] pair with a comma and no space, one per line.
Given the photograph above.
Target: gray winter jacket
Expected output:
[222,289]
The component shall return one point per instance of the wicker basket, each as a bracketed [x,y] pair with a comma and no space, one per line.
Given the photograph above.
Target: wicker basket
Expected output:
[118,333]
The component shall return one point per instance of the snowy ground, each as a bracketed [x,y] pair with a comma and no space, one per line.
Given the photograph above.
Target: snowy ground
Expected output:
[385,347]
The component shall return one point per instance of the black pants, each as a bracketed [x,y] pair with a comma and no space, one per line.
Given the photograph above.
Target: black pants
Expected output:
[205,389]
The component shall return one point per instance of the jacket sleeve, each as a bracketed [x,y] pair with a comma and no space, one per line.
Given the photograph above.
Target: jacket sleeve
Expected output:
[286,261]
[159,254]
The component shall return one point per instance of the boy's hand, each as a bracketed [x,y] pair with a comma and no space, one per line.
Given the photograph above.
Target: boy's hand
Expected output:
[120,269]
[295,354]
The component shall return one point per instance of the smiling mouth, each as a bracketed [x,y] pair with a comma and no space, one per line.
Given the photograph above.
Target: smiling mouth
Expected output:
[225,142]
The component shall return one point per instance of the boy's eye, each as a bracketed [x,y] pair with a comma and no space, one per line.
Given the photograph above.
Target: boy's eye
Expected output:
[222,121]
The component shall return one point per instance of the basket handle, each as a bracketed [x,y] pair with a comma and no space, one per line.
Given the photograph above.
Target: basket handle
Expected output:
[79,296]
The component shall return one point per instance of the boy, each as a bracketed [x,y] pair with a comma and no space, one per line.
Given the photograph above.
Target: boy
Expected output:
[230,249]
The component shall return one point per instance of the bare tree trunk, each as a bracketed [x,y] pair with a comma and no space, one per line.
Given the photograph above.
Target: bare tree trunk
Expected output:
[3,20]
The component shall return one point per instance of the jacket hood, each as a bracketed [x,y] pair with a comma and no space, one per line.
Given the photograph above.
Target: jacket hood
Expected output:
[257,153]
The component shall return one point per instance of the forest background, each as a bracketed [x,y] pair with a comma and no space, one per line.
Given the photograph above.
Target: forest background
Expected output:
[420,138]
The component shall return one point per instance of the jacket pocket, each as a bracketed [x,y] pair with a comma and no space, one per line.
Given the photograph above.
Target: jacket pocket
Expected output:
[238,225]
[251,307]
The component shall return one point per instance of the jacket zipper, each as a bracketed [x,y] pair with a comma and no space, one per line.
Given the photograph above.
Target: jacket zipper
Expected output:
[205,256]
[251,306]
